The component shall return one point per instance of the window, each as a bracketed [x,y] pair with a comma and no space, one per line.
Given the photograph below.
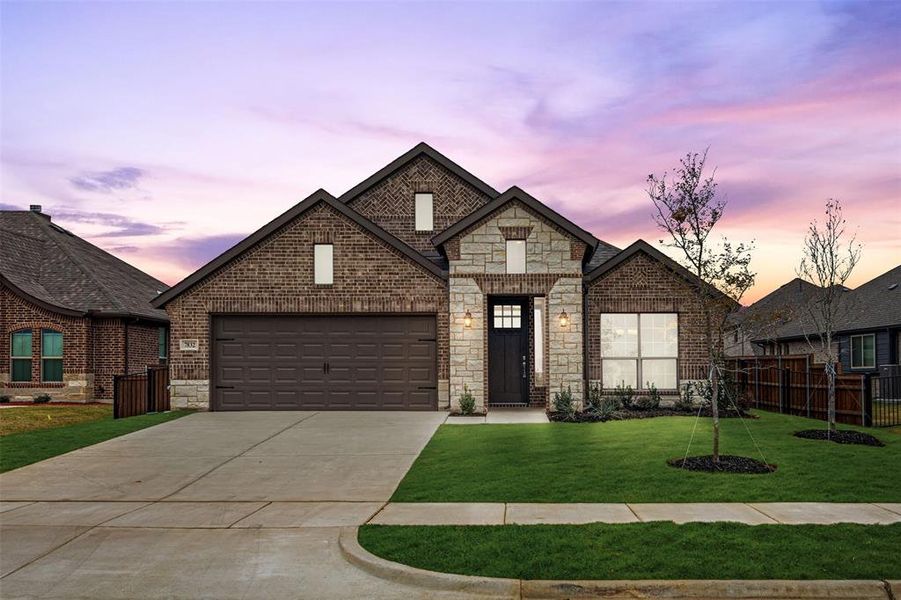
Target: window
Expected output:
[51,355]
[163,343]
[424,212]
[863,351]
[507,316]
[538,315]
[639,350]
[21,355]
[516,256]
[323,258]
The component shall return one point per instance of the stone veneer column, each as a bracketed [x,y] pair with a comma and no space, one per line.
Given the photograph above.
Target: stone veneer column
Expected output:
[565,364]
[189,393]
[467,346]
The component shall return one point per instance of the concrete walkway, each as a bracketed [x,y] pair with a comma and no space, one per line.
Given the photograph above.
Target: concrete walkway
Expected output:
[757,513]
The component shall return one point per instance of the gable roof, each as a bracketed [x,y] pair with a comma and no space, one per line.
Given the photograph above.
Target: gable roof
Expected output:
[876,303]
[420,149]
[63,273]
[516,194]
[776,314]
[280,221]
[641,246]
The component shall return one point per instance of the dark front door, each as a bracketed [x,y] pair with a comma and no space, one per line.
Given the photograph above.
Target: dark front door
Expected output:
[508,350]
[334,362]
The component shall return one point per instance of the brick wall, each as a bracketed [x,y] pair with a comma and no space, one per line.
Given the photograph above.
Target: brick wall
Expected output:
[478,269]
[109,355]
[390,204]
[641,284]
[276,276]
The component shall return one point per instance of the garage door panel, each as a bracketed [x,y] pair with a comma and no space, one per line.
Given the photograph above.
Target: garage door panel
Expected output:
[277,363]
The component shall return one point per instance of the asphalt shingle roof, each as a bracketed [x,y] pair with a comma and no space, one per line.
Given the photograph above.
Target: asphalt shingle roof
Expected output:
[60,269]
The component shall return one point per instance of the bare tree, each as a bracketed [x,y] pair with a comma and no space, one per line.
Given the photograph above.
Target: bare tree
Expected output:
[688,209]
[827,262]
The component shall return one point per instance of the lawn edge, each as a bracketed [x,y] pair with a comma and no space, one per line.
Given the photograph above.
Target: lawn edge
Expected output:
[785,589]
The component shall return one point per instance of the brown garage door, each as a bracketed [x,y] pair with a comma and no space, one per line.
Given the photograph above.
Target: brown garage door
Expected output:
[324,363]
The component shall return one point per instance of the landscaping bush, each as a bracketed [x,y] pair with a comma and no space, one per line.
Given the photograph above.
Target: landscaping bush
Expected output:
[594,399]
[624,395]
[686,401]
[649,401]
[563,403]
[42,399]
[467,401]
[728,398]
[4,399]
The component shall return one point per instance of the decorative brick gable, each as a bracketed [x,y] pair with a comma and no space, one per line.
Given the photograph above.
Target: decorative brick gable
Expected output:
[391,204]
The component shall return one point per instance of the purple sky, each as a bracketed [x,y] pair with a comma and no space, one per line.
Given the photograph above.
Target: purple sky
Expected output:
[165,132]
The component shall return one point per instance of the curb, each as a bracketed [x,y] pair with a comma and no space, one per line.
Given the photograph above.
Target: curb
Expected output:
[358,556]
[777,589]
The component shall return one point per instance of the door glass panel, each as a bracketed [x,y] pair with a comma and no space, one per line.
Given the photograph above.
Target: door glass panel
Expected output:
[507,316]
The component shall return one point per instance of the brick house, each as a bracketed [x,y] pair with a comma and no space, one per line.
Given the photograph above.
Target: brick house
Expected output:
[420,283]
[72,315]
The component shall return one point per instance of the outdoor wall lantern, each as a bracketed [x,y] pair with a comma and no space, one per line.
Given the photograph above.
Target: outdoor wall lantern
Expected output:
[467,320]
[564,319]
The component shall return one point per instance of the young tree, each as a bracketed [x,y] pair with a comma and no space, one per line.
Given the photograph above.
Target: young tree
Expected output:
[688,208]
[827,262]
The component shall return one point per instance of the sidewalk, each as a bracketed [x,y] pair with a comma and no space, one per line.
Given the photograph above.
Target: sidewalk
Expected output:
[756,513]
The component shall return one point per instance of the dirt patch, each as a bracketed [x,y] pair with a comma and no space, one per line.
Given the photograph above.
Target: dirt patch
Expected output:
[840,437]
[727,464]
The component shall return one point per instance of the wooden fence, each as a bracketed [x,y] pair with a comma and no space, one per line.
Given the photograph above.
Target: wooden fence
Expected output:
[798,386]
[141,393]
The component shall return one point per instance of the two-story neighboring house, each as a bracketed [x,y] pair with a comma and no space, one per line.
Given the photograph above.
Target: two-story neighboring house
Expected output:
[419,283]
[867,329]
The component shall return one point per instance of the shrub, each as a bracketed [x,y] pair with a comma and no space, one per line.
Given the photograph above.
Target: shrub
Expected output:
[649,401]
[42,399]
[728,396]
[4,399]
[624,395]
[595,398]
[686,399]
[467,401]
[608,406]
[563,402]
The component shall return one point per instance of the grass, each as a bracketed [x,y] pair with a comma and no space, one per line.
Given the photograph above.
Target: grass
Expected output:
[49,416]
[625,461]
[27,447]
[645,550]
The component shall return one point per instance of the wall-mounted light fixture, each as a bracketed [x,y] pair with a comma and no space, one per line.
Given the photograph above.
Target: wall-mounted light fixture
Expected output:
[564,319]
[467,319]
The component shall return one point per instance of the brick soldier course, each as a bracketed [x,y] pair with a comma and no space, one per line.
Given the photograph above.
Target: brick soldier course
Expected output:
[383,266]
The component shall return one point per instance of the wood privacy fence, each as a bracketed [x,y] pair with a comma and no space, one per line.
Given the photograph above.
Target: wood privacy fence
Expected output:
[140,393]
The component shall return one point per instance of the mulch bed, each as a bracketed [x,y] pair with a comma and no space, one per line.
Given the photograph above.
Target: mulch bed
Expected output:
[621,415]
[843,436]
[727,464]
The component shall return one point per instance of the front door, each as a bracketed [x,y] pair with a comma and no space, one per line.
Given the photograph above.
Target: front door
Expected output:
[508,350]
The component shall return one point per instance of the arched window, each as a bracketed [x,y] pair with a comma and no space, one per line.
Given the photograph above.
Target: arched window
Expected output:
[20,355]
[51,355]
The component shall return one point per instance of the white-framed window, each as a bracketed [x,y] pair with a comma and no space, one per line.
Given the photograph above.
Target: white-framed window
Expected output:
[20,355]
[640,350]
[539,311]
[863,351]
[425,211]
[323,264]
[516,256]
[51,355]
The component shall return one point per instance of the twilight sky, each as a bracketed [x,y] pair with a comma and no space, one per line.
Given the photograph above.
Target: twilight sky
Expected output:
[166,132]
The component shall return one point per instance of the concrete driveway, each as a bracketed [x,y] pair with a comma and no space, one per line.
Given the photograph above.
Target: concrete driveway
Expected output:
[225,505]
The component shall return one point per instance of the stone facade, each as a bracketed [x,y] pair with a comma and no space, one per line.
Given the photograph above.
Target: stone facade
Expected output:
[93,351]
[478,270]
[276,276]
[390,204]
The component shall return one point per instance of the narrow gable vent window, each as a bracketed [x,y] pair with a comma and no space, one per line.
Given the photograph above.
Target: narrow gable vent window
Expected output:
[424,212]
[516,256]
[323,256]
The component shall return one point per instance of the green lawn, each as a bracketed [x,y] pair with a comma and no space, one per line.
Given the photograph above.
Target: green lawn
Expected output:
[625,461]
[20,449]
[645,550]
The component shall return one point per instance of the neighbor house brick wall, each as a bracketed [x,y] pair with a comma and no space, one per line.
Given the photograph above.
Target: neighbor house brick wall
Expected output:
[390,204]
[276,276]
[642,285]
[478,268]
